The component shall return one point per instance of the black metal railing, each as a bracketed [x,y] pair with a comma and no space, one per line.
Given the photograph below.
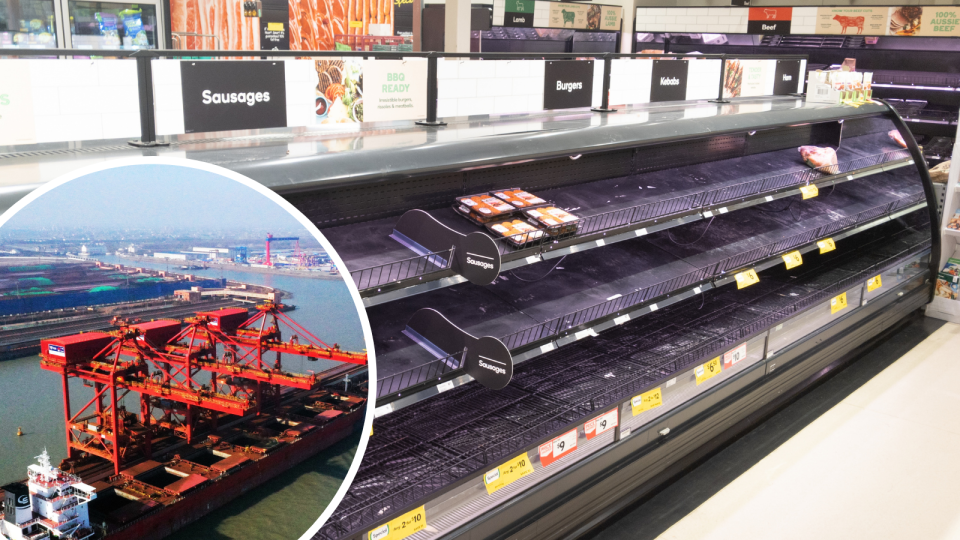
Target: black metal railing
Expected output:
[143,57]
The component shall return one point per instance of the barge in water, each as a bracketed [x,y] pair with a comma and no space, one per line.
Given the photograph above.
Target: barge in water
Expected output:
[217,416]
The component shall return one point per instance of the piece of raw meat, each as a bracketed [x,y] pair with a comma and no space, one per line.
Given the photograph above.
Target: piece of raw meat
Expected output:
[818,157]
[897,138]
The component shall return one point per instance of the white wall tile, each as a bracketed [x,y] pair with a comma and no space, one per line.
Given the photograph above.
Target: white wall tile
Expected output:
[70,127]
[64,73]
[118,125]
[170,123]
[527,86]
[118,99]
[46,101]
[474,106]
[447,69]
[597,97]
[446,108]
[477,69]
[117,72]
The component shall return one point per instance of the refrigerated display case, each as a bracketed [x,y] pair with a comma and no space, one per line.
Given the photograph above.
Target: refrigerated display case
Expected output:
[112,25]
[28,24]
[656,325]
[634,335]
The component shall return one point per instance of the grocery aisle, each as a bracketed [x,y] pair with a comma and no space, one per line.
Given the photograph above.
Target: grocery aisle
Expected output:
[871,453]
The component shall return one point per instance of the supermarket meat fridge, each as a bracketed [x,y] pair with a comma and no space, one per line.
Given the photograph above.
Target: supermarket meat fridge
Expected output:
[535,377]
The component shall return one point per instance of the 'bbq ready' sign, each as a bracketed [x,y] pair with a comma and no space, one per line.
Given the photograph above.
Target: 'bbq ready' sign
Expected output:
[568,84]
[228,95]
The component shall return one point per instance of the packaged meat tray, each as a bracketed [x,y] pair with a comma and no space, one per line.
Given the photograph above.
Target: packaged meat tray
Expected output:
[518,233]
[555,221]
[824,159]
[897,138]
[519,198]
[484,208]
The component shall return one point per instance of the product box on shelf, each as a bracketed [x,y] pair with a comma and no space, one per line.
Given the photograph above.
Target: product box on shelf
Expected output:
[518,233]
[519,198]
[557,222]
[840,87]
[483,208]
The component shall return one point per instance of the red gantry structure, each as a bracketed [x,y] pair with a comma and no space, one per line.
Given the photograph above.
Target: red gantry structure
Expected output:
[187,374]
[271,239]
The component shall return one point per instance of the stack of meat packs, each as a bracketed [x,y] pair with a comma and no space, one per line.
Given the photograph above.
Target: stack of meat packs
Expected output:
[502,213]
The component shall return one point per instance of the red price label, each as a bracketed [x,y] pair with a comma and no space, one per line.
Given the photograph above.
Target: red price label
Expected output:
[601,424]
[557,448]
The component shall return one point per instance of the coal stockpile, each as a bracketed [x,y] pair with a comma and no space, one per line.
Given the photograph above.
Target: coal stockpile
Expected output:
[31,288]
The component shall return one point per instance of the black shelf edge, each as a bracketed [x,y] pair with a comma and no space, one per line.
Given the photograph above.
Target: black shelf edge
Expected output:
[426,378]
[431,241]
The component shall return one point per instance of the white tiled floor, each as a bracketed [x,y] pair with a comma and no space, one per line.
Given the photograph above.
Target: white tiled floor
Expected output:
[882,464]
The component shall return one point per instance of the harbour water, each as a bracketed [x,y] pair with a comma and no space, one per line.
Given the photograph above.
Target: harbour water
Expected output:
[33,399]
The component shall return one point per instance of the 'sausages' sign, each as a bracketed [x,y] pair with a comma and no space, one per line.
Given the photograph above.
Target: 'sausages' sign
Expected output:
[225,95]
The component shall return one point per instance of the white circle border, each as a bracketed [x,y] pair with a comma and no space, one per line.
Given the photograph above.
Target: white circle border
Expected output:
[309,226]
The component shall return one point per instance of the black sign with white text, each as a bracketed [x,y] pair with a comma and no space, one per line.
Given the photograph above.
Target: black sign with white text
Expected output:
[568,84]
[522,20]
[768,27]
[226,95]
[669,80]
[786,79]
[274,30]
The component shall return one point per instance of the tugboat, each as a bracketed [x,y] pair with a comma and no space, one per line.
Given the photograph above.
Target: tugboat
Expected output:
[51,504]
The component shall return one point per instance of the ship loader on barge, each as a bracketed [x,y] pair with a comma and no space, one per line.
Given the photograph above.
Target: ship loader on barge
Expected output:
[217,416]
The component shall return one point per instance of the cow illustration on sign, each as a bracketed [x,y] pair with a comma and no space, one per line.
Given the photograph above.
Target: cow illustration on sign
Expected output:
[568,17]
[848,22]
[770,13]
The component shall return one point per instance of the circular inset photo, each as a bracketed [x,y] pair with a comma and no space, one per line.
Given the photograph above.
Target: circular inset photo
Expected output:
[181,356]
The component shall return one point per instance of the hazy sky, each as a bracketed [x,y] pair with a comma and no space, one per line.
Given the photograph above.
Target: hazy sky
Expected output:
[154,196]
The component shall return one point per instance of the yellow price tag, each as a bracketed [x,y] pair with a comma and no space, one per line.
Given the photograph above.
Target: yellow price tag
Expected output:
[274,27]
[874,283]
[507,473]
[401,527]
[747,278]
[826,245]
[356,24]
[646,401]
[705,372]
[793,259]
[810,191]
[837,303]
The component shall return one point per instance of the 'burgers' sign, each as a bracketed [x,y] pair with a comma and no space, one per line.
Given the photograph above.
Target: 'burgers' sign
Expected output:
[567,84]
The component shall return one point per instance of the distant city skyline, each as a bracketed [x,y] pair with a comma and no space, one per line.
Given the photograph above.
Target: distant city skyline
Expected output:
[143,201]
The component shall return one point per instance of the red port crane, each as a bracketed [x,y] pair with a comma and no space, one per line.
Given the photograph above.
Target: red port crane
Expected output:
[271,238]
[186,373]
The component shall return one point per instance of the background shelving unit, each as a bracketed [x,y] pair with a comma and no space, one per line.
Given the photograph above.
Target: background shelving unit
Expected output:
[944,308]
